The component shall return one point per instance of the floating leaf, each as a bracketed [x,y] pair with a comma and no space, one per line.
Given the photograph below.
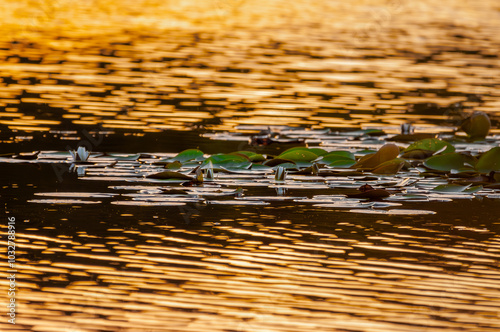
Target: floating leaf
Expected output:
[389,167]
[477,126]
[173,165]
[277,161]
[335,156]
[298,155]
[169,175]
[450,188]
[445,162]
[417,154]
[318,151]
[473,189]
[385,153]
[411,137]
[252,156]
[228,160]
[489,161]
[189,154]
[431,144]
[345,163]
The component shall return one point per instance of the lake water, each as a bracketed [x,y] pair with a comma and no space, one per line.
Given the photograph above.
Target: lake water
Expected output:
[99,247]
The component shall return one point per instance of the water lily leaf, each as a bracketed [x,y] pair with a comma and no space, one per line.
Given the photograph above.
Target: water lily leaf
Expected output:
[169,175]
[489,161]
[411,137]
[385,153]
[445,162]
[173,165]
[287,166]
[417,154]
[389,167]
[260,167]
[343,163]
[189,154]
[277,161]
[431,144]
[473,189]
[298,155]
[450,188]
[477,126]
[335,156]
[228,160]
[252,156]
[318,151]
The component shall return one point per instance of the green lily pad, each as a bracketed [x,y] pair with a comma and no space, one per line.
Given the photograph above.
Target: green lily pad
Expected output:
[450,188]
[411,137]
[298,155]
[431,144]
[343,163]
[318,151]
[445,162]
[473,189]
[252,156]
[335,156]
[189,154]
[277,161]
[228,160]
[489,161]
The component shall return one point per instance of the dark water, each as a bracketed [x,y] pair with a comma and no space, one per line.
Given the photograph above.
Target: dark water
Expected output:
[98,253]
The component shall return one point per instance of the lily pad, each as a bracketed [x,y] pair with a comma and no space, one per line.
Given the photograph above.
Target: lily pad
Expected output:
[278,161]
[252,156]
[445,162]
[385,153]
[189,154]
[431,144]
[489,161]
[345,163]
[298,155]
[450,188]
[389,167]
[228,160]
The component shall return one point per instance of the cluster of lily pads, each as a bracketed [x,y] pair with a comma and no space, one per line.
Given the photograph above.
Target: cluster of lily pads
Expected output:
[345,176]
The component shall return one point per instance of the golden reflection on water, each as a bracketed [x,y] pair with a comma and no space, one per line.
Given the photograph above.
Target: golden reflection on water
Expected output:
[355,71]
